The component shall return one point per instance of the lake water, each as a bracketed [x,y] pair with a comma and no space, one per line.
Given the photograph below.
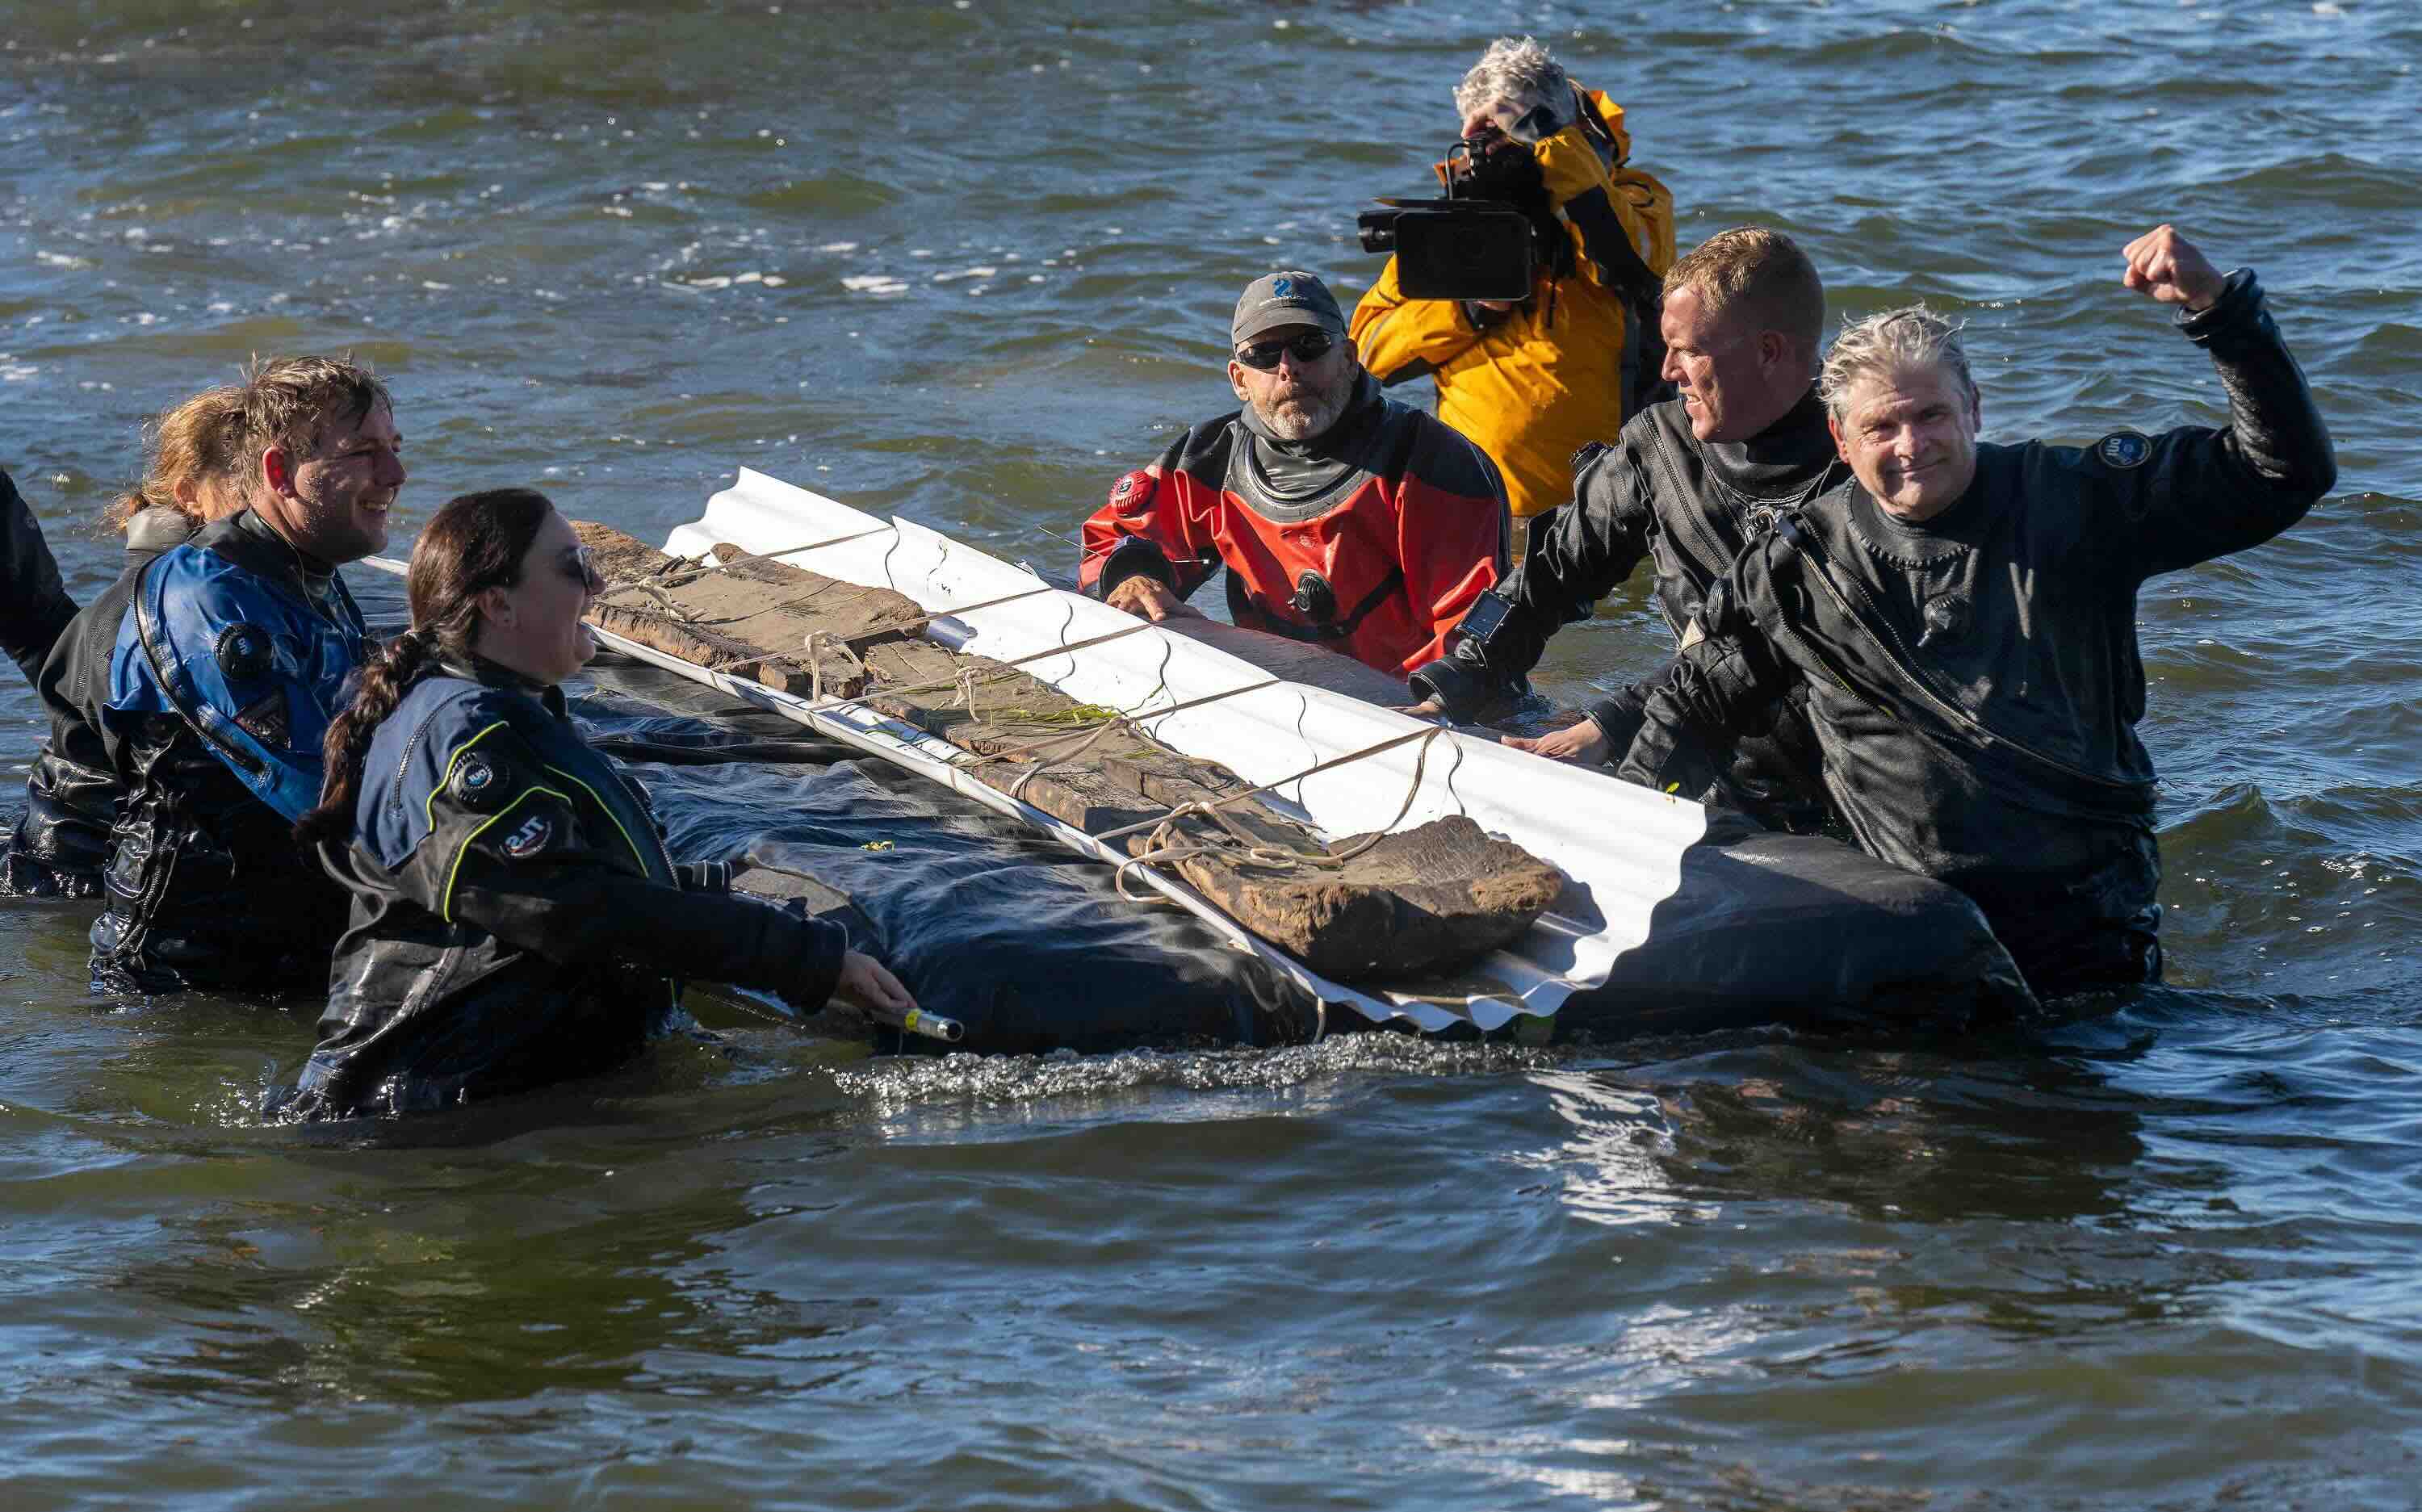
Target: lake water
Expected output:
[966,261]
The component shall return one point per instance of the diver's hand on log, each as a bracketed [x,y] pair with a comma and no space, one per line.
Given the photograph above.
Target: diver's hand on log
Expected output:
[866,983]
[1150,597]
[2167,268]
[1584,744]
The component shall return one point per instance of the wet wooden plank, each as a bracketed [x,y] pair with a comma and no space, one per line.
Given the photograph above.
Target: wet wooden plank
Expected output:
[749,616]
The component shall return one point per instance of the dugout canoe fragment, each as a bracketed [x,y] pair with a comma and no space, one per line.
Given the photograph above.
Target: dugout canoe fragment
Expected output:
[1393,906]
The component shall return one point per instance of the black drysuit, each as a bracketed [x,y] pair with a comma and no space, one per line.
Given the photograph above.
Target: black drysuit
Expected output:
[1686,506]
[515,916]
[33,604]
[1974,682]
[71,799]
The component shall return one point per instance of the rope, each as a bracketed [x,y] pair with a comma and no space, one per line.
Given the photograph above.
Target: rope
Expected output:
[972,675]
[818,545]
[1165,844]
[672,611]
[1118,720]
[817,641]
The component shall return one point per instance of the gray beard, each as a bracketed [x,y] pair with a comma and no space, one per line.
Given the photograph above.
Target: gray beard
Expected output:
[1307,413]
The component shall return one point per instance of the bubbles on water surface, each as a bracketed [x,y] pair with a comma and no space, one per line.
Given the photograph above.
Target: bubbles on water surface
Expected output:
[907,1081]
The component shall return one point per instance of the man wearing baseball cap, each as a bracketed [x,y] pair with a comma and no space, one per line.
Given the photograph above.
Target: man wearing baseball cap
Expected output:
[1342,518]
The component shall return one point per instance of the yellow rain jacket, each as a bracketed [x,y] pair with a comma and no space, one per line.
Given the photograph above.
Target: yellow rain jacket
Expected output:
[1535,384]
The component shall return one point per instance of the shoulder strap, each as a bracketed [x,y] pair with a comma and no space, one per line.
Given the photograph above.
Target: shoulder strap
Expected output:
[147,634]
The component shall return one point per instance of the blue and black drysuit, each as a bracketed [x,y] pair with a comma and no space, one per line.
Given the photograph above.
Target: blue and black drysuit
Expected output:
[516,918]
[235,653]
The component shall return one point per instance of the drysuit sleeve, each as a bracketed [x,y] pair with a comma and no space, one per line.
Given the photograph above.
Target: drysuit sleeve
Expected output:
[507,851]
[257,677]
[1581,552]
[1451,552]
[1158,522]
[1399,339]
[1620,228]
[33,604]
[2196,493]
[1719,687]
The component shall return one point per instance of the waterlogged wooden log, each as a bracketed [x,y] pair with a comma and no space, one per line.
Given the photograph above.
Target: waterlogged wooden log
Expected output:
[1410,905]
[749,616]
[1429,899]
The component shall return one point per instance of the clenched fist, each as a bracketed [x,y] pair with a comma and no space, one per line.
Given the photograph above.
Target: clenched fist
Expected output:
[2166,267]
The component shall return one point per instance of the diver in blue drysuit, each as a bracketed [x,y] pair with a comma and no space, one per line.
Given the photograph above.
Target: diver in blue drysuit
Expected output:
[231,660]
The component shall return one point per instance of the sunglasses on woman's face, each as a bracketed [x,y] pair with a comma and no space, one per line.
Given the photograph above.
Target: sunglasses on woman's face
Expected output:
[580,566]
[1263,356]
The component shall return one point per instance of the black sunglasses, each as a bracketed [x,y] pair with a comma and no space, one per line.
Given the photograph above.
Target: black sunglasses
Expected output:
[581,567]
[1264,356]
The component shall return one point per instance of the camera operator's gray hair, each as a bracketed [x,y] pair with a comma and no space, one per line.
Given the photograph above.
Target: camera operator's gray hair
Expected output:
[1888,341]
[1519,74]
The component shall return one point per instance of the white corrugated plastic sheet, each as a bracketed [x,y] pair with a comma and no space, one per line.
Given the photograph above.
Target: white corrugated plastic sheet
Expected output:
[1621,844]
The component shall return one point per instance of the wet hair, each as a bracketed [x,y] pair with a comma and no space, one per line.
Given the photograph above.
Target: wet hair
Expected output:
[1889,341]
[1762,273]
[290,402]
[198,441]
[1519,73]
[475,542]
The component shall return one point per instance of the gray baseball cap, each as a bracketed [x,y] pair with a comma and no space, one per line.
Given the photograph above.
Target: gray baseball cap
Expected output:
[1284,298]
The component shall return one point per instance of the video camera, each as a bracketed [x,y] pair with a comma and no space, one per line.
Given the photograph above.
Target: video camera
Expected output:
[1486,240]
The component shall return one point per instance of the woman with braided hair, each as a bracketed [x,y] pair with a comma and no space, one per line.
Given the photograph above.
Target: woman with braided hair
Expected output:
[515,919]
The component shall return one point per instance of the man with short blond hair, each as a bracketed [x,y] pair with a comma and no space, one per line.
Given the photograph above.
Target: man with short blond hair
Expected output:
[1683,487]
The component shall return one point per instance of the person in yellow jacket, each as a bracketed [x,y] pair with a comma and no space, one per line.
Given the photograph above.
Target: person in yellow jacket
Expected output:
[1532,383]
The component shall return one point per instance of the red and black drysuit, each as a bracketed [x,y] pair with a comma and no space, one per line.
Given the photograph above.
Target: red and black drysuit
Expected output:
[1398,521]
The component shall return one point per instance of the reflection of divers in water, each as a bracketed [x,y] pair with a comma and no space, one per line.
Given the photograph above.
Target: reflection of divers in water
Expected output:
[1905,1135]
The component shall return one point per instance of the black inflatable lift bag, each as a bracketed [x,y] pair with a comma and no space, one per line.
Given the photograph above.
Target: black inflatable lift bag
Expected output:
[1798,929]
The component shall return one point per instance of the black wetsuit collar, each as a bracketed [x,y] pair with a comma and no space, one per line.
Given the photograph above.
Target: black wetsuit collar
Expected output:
[472,666]
[1783,455]
[312,568]
[1955,525]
